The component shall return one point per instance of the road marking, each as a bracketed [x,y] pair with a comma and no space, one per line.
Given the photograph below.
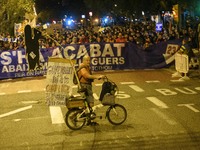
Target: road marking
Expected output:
[153,81]
[16,111]
[186,91]
[127,83]
[56,115]
[2,93]
[100,84]
[136,88]
[30,102]
[122,95]
[24,91]
[163,116]
[197,88]
[190,107]
[177,80]
[157,102]
[16,120]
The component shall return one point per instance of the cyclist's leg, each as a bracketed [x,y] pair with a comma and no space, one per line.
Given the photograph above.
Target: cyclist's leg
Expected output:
[89,94]
[90,100]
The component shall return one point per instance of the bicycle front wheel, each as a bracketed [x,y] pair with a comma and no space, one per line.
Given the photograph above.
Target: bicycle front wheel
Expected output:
[116,114]
[74,120]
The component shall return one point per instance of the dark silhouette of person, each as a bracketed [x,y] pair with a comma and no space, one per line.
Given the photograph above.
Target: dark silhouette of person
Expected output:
[32,47]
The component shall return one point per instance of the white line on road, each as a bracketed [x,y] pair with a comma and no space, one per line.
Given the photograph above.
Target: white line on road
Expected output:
[24,91]
[127,83]
[16,111]
[16,120]
[56,115]
[190,106]
[136,88]
[177,80]
[157,102]
[2,93]
[30,102]
[163,116]
[153,81]
[100,84]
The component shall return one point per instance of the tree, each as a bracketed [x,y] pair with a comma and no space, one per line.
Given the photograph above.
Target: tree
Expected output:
[12,11]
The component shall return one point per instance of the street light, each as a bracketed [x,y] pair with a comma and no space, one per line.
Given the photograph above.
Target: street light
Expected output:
[90,14]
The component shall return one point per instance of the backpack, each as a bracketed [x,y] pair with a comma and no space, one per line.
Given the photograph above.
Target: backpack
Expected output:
[79,78]
[107,87]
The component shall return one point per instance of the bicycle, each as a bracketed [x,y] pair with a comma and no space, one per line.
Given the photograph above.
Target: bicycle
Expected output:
[79,111]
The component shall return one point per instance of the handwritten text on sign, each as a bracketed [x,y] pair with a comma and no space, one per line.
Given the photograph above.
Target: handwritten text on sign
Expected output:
[59,81]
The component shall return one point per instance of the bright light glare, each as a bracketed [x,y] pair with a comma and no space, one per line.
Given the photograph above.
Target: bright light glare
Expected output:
[96,20]
[69,22]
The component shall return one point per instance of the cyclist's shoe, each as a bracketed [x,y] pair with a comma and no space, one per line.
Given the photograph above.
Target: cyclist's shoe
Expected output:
[88,123]
[94,124]
[91,123]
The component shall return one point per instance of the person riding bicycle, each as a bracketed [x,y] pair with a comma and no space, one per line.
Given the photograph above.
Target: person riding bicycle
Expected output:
[86,78]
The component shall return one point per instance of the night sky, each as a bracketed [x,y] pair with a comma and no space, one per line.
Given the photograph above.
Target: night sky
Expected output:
[61,7]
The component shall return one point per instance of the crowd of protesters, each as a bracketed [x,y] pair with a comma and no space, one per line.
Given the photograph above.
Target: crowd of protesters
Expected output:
[8,42]
[142,34]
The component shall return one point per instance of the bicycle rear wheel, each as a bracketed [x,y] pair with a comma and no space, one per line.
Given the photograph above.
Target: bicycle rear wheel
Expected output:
[73,119]
[116,114]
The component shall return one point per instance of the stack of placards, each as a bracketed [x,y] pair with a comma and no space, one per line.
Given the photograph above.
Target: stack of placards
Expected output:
[59,81]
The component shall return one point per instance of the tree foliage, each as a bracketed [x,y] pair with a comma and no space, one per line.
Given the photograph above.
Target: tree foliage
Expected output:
[12,11]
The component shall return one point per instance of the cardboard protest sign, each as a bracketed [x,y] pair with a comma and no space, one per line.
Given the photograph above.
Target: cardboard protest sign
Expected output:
[181,63]
[59,81]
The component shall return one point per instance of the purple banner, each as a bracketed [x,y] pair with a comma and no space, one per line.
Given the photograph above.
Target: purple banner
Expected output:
[13,63]
[104,56]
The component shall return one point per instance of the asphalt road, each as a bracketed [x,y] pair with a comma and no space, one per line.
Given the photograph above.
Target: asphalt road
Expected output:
[163,113]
